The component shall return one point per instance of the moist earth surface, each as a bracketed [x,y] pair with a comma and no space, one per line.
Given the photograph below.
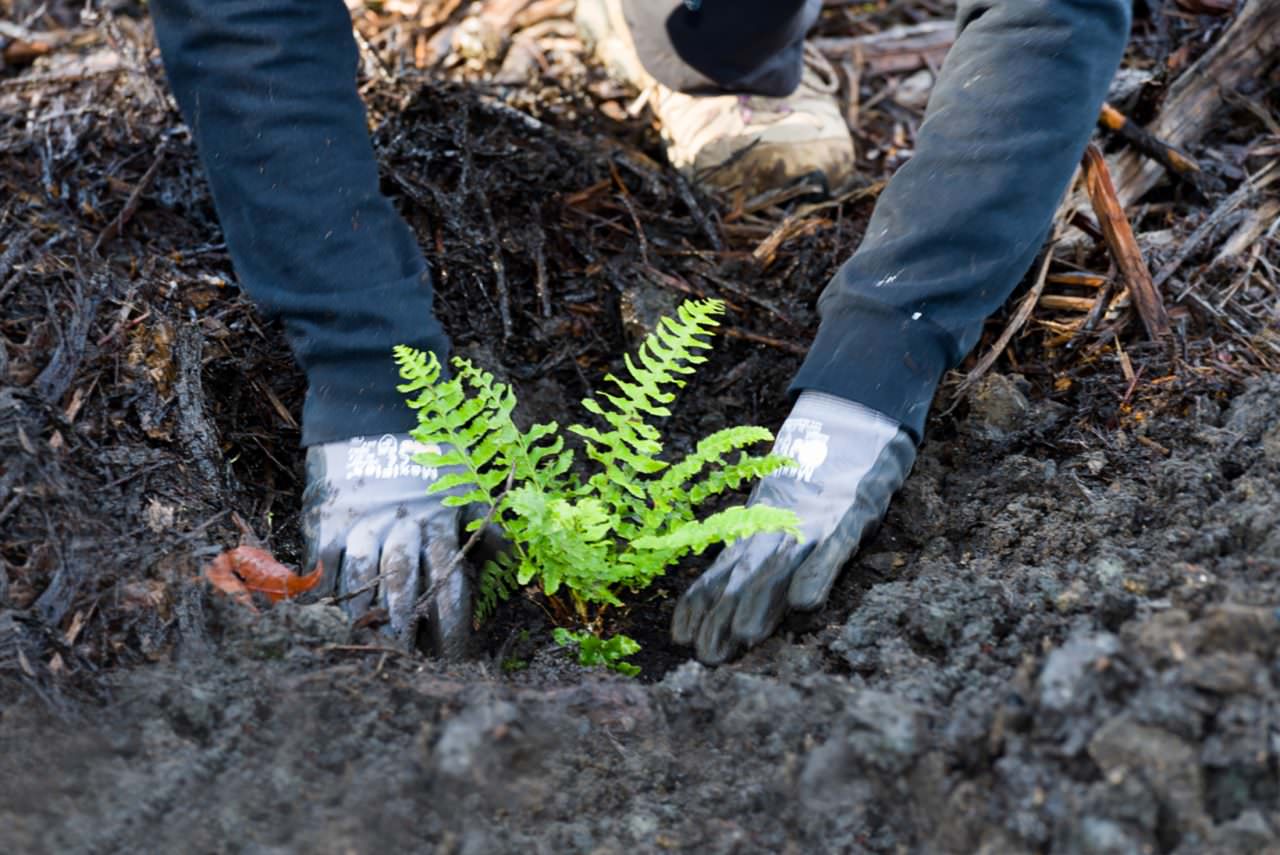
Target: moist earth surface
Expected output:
[1044,648]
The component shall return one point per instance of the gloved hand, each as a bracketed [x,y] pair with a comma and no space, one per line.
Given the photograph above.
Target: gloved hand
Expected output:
[368,517]
[849,462]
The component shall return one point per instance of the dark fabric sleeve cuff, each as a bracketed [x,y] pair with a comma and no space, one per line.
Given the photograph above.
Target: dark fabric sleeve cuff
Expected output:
[351,370]
[876,356]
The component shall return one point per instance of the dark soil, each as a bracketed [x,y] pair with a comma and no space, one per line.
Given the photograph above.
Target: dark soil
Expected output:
[1070,649]
[1065,637]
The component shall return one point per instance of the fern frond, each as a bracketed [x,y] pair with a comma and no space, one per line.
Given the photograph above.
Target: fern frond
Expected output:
[495,583]
[747,469]
[724,527]
[710,452]
[628,451]
[448,416]
[665,356]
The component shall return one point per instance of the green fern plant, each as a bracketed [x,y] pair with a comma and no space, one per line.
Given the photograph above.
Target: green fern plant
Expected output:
[634,516]
[594,651]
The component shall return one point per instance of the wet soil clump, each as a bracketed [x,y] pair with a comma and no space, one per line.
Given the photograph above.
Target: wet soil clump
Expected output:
[1058,653]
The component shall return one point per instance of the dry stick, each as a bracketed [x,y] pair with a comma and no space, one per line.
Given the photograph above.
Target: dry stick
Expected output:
[116,226]
[540,264]
[1100,305]
[779,195]
[1020,318]
[746,335]
[365,648]
[19,33]
[748,297]
[853,82]
[351,595]
[1123,246]
[19,52]
[1067,303]
[499,270]
[1079,279]
[1147,143]
[539,11]
[896,49]
[625,195]
[1196,97]
[15,248]
[31,81]
[790,228]
[1258,222]
[374,61]
[1250,185]
[699,216]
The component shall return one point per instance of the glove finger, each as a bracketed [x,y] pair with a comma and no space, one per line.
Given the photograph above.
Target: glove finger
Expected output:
[398,568]
[703,594]
[327,556]
[715,640]
[323,548]
[763,600]
[359,568]
[451,604]
[812,581]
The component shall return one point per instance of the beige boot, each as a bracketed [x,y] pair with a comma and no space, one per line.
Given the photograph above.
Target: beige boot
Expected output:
[731,141]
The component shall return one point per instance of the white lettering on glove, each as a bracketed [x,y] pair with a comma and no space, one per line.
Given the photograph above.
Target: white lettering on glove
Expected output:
[387,457]
[804,441]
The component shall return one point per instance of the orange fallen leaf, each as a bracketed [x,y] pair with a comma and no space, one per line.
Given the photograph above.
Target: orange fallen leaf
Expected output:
[241,571]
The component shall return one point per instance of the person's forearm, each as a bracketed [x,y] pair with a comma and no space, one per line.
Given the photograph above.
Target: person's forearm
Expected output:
[268,89]
[959,225]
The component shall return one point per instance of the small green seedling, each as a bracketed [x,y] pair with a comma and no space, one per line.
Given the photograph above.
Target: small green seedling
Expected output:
[617,528]
[609,652]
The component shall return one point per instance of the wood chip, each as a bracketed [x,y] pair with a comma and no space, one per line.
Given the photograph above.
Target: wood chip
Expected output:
[1123,246]
[1065,303]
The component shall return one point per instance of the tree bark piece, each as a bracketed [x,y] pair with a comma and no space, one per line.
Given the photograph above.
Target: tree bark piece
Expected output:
[1261,220]
[1250,43]
[895,49]
[1123,246]
[1192,242]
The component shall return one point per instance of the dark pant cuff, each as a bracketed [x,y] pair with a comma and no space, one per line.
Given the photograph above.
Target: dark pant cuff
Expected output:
[877,356]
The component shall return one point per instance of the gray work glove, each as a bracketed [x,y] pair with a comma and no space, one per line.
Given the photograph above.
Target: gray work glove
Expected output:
[368,517]
[849,462]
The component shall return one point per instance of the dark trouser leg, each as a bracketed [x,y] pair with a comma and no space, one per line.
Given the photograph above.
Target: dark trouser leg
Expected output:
[726,45]
[961,222]
[268,89]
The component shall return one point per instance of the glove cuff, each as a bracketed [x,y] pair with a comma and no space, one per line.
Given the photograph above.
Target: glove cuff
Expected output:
[832,408]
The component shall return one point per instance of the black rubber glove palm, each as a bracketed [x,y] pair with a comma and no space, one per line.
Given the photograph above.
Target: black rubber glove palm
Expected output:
[850,461]
[382,537]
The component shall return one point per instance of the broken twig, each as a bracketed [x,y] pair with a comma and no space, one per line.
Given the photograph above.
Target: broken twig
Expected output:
[1123,246]
[1147,143]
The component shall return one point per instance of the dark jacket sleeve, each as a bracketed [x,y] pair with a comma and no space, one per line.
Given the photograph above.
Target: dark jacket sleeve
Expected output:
[960,223]
[268,88]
